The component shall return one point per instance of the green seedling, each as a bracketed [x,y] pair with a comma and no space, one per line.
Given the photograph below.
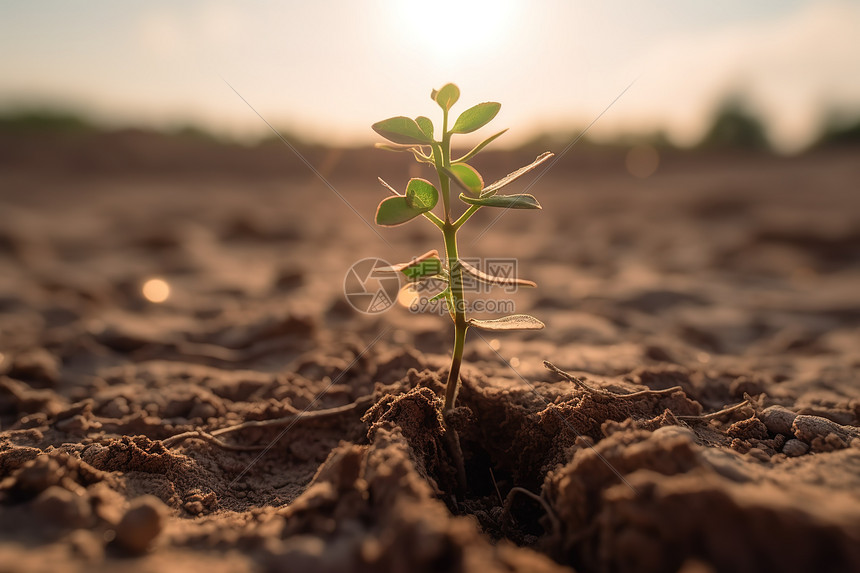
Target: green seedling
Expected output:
[416,136]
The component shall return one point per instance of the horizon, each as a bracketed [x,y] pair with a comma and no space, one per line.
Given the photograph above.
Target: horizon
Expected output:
[167,66]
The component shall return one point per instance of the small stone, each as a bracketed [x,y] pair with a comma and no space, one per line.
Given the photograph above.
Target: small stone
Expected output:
[141,524]
[202,410]
[778,420]
[822,434]
[794,448]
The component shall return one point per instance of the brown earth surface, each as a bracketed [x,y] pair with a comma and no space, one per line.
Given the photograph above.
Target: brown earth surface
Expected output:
[732,276]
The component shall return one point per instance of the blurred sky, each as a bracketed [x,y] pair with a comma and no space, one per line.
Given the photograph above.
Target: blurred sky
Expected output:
[328,69]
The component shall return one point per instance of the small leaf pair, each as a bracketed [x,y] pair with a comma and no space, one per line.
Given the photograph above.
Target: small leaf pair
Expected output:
[419,131]
[421,196]
[405,130]
[470,120]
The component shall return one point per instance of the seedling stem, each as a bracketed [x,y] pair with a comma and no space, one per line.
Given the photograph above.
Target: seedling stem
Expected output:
[417,136]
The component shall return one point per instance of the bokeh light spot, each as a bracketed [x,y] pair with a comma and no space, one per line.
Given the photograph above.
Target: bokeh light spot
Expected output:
[156,290]
[407,296]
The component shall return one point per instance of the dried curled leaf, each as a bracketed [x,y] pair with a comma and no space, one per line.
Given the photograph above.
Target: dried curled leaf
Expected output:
[494,279]
[511,177]
[523,201]
[512,322]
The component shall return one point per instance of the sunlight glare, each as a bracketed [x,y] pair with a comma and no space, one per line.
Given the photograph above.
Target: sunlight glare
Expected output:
[454,29]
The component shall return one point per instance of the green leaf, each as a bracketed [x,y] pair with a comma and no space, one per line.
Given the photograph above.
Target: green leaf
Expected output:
[524,201]
[447,96]
[494,279]
[511,177]
[468,177]
[420,194]
[426,125]
[427,265]
[402,130]
[476,117]
[477,149]
[395,211]
[512,322]
[420,197]
[441,294]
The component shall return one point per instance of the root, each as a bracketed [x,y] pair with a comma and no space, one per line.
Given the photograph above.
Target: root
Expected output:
[206,437]
[509,501]
[294,418]
[712,415]
[602,395]
[452,441]
[496,485]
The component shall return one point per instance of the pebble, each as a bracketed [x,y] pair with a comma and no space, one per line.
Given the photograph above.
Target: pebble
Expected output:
[778,420]
[832,436]
[202,410]
[141,524]
[794,448]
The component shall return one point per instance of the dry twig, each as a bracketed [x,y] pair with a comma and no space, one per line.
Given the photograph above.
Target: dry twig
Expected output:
[211,437]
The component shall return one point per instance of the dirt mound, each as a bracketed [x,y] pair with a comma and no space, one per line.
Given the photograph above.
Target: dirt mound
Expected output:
[706,419]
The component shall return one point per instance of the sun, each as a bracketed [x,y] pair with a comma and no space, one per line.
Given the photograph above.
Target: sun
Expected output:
[453,29]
